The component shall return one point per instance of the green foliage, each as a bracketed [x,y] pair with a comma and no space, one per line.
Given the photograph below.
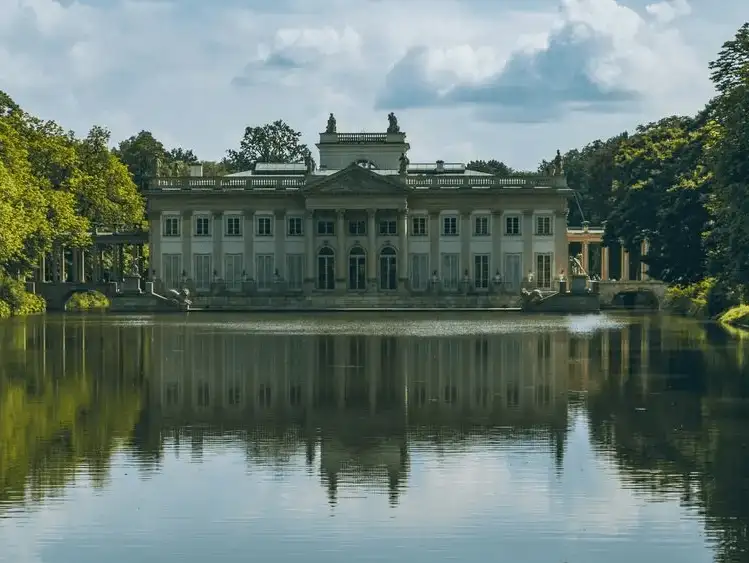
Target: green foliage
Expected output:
[495,167]
[273,142]
[55,188]
[703,299]
[4,310]
[87,301]
[17,301]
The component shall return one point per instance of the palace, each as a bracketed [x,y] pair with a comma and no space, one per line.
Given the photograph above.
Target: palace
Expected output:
[366,220]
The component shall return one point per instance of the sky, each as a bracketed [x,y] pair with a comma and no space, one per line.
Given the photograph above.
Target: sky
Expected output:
[513,80]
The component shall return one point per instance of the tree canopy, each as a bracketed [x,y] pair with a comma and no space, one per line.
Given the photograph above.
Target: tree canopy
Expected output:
[273,142]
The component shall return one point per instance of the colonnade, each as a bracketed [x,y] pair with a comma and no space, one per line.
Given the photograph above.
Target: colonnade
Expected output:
[81,265]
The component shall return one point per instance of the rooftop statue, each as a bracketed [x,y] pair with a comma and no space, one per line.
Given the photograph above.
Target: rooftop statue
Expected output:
[393,126]
[557,165]
[331,127]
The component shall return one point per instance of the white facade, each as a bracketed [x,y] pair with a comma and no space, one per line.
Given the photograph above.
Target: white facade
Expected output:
[362,222]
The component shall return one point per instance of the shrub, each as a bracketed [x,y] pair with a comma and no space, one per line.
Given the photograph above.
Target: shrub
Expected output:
[4,310]
[87,301]
[19,301]
[706,298]
[736,316]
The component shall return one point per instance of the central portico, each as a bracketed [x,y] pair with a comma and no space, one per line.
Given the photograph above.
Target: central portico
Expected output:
[362,250]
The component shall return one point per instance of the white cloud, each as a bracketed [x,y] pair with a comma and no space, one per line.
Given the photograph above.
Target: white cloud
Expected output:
[669,10]
[196,74]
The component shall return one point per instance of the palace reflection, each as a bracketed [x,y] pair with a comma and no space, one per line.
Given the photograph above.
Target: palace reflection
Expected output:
[360,402]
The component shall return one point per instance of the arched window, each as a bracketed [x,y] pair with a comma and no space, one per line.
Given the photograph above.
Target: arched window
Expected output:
[365,163]
[388,268]
[326,268]
[357,269]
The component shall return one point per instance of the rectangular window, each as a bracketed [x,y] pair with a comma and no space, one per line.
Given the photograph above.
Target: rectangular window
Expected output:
[294,227]
[172,394]
[325,227]
[481,271]
[419,226]
[481,226]
[420,271]
[295,271]
[543,270]
[264,271]
[264,226]
[202,272]
[202,226]
[171,226]
[450,226]
[233,225]
[543,225]
[233,271]
[357,228]
[450,271]
[513,271]
[388,227]
[512,225]
[172,274]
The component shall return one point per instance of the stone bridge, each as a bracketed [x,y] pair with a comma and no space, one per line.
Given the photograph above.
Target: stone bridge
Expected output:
[630,294]
[56,294]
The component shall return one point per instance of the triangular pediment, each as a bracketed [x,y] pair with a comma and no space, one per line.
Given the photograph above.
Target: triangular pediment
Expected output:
[355,180]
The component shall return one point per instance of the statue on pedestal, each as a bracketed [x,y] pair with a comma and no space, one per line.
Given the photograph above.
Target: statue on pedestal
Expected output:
[393,126]
[331,127]
[309,163]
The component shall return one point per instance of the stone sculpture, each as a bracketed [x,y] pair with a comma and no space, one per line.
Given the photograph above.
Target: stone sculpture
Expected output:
[403,164]
[331,127]
[393,126]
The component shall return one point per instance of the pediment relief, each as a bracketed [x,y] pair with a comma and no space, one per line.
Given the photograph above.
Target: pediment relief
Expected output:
[356,180]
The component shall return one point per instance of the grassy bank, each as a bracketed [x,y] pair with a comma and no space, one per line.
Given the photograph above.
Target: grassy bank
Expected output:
[736,317]
[88,301]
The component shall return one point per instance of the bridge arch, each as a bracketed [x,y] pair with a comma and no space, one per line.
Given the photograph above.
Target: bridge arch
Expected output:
[632,294]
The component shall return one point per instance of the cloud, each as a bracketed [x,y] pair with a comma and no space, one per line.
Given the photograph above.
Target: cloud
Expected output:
[302,49]
[196,73]
[599,56]
[669,10]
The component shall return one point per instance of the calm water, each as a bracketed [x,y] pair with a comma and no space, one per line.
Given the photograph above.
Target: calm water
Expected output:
[372,438]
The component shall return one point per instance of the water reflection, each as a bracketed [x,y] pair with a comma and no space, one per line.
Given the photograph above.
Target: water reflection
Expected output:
[662,400]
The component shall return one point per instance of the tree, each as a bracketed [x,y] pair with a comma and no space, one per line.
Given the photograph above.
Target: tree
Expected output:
[493,166]
[107,195]
[660,188]
[143,155]
[728,239]
[273,142]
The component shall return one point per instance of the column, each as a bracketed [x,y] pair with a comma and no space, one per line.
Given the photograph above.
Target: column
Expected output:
[644,248]
[279,232]
[434,242]
[604,263]
[187,243]
[403,250]
[154,246]
[527,242]
[248,230]
[42,269]
[309,248]
[625,265]
[586,256]
[496,230]
[63,273]
[340,259]
[75,256]
[465,244]
[120,262]
[372,249]
[561,244]
[218,244]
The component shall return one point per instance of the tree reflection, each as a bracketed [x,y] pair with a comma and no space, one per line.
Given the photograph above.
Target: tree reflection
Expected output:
[678,428]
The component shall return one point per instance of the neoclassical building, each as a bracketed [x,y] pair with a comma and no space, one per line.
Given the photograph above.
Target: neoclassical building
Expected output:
[366,220]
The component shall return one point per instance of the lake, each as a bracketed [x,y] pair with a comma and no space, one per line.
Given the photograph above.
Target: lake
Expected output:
[424,438]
